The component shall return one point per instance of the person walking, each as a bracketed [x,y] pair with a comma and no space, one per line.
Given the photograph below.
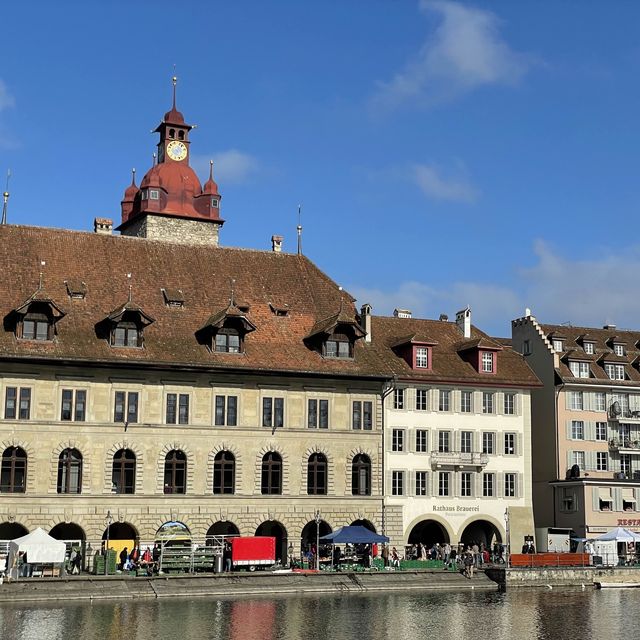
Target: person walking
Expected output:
[124,555]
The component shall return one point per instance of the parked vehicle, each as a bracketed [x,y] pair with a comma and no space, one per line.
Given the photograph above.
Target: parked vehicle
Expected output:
[253,552]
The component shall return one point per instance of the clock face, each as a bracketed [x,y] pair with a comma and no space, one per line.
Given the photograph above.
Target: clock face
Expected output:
[177,150]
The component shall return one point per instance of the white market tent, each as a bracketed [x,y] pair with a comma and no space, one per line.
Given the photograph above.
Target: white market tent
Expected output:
[619,535]
[40,548]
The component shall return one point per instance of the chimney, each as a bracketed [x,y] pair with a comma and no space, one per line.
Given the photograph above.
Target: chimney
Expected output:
[401,313]
[365,321]
[609,326]
[103,226]
[443,317]
[463,320]
[276,244]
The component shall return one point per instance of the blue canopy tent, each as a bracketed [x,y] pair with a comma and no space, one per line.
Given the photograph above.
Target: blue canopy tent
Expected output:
[353,535]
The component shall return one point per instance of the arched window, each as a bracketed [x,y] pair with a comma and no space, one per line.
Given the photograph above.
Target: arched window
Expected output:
[181,134]
[317,475]
[224,472]
[272,473]
[13,475]
[172,133]
[123,476]
[175,472]
[361,475]
[70,471]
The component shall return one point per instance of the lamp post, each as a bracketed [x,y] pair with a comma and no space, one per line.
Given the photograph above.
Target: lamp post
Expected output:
[508,540]
[317,519]
[109,521]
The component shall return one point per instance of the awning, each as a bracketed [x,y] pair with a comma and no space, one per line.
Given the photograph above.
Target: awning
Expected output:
[353,535]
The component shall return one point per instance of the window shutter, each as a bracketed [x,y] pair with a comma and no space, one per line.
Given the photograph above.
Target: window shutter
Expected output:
[389,480]
[519,445]
[595,498]
[568,429]
[633,402]
[617,499]
[499,488]
[590,430]
[590,460]
[456,440]
[519,485]
[569,458]
[434,446]
[410,440]
[636,495]
[587,399]
[566,400]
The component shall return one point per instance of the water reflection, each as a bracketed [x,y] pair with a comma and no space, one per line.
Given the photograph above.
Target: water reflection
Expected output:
[518,615]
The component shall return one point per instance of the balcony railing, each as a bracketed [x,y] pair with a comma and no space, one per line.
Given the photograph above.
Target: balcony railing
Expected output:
[620,412]
[617,444]
[458,459]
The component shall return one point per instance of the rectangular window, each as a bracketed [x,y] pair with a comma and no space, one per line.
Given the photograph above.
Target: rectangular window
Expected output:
[576,402]
[444,478]
[487,362]
[273,412]
[226,411]
[318,414]
[25,404]
[466,442]
[422,441]
[579,369]
[466,480]
[509,444]
[422,358]
[17,403]
[567,499]
[526,347]
[614,371]
[74,404]
[397,483]
[588,348]
[488,442]
[600,401]
[397,440]
[362,415]
[125,406]
[444,397]
[577,430]
[487,402]
[398,399]
[488,485]
[421,399]
[177,408]
[557,345]
[421,483]
[10,403]
[509,485]
[602,461]
[577,457]
[444,438]
[466,401]
[619,349]
[601,431]
[509,404]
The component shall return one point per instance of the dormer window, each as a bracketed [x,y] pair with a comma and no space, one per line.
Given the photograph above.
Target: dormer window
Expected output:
[589,348]
[422,357]
[124,327]
[579,369]
[619,349]
[488,361]
[126,334]
[558,346]
[615,371]
[36,319]
[228,340]
[338,345]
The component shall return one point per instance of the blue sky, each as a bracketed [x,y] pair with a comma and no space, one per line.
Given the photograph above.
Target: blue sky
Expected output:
[445,153]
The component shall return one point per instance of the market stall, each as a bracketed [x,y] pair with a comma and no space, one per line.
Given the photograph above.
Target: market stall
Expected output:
[35,554]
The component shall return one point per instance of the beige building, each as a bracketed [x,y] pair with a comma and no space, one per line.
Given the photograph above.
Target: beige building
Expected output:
[586,425]
[154,377]
[457,432]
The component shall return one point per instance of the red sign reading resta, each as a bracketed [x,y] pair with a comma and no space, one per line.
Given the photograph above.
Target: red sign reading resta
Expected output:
[628,523]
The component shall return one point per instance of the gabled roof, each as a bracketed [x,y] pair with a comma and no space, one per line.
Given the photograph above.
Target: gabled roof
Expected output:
[40,296]
[415,338]
[217,320]
[328,325]
[483,342]
[129,307]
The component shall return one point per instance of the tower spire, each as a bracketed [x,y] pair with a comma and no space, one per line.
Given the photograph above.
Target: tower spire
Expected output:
[299,229]
[133,177]
[174,80]
[5,199]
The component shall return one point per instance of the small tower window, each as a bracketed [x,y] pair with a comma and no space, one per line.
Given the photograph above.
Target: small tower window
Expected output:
[181,135]
[154,194]
[172,133]
[214,202]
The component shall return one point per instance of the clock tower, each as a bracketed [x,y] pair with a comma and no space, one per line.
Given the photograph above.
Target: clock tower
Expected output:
[171,204]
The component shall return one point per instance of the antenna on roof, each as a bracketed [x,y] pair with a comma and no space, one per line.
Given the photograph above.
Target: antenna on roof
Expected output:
[5,198]
[232,301]
[299,229]
[130,287]
[42,265]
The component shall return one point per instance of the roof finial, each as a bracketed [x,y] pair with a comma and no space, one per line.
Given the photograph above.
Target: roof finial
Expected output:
[299,228]
[133,177]
[154,159]
[130,286]
[5,198]
[41,279]
[341,300]
[232,302]
[174,80]
[210,169]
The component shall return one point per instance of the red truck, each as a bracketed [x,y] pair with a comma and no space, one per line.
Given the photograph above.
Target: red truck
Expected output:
[258,551]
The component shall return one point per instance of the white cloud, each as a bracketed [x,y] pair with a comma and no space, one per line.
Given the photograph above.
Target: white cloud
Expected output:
[229,167]
[589,292]
[434,185]
[464,52]
[6,99]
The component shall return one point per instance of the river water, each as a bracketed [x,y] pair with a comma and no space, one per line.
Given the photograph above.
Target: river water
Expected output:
[610,614]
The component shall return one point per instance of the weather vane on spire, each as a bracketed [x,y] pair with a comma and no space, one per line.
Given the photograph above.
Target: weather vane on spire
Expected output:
[5,198]
[174,80]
